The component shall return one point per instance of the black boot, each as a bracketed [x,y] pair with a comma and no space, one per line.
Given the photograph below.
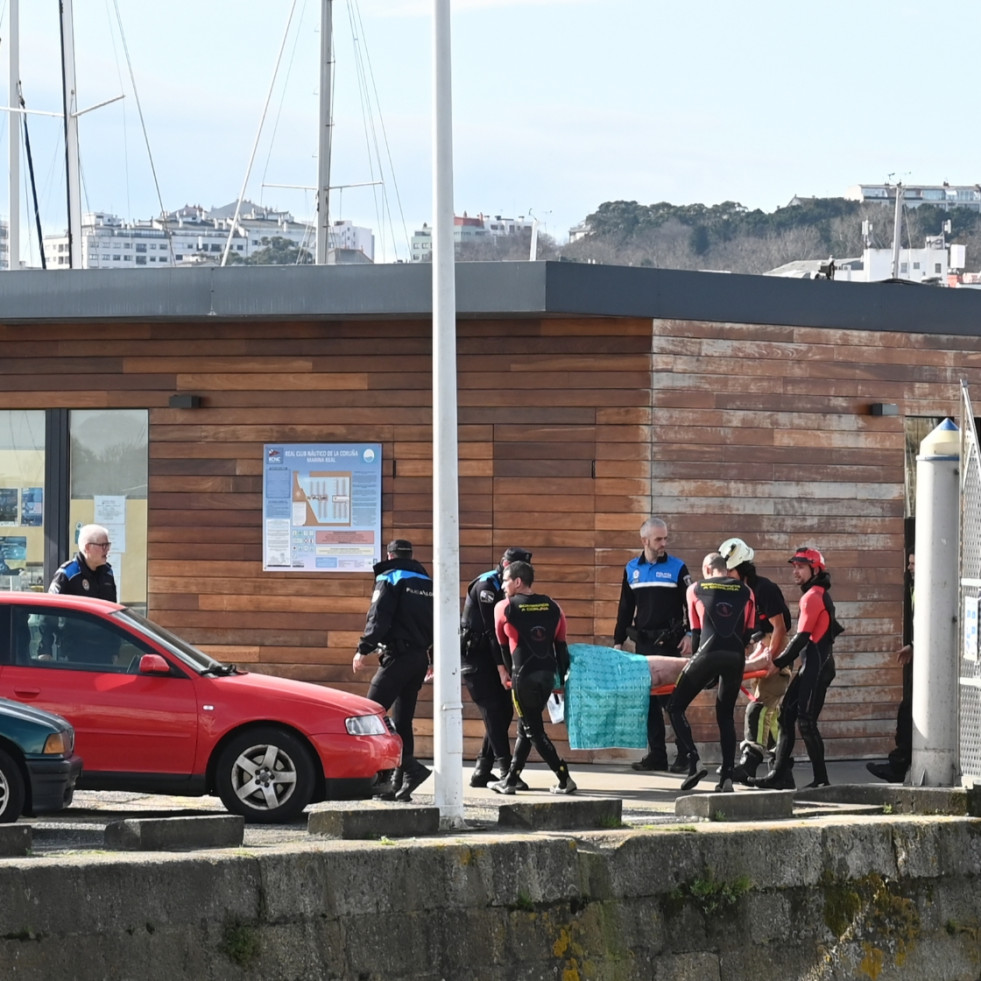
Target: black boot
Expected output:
[387,789]
[482,774]
[780,778]
[695,773]
[415,774]
[508,784]
[748,764]
[566,784]
[504,766]
[724,786]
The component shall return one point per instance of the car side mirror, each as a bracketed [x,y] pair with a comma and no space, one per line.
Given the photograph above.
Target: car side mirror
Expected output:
[153,664]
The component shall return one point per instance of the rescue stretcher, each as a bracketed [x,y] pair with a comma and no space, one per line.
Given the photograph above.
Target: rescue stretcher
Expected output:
[607,696]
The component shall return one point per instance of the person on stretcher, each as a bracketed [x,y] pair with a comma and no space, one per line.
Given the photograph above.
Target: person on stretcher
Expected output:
[664,669]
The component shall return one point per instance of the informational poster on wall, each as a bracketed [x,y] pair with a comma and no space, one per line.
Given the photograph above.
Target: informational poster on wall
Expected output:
[109,510]
[321,507]
[32,506]
[13,554]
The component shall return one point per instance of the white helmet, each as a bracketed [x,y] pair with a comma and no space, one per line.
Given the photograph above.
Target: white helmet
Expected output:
[735,551]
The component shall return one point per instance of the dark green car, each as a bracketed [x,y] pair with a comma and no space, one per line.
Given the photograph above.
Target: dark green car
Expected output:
[38,765]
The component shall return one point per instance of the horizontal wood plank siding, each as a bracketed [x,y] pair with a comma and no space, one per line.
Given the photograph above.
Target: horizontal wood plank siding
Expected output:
[571,431]
[765,433]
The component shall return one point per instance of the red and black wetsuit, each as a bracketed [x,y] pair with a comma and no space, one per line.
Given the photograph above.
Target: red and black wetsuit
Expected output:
[805,695]
[528,627]
[722,612]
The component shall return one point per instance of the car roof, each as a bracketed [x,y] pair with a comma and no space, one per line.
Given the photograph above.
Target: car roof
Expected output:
[24,598]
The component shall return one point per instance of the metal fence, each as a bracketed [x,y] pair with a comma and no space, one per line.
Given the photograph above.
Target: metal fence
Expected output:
[969,673]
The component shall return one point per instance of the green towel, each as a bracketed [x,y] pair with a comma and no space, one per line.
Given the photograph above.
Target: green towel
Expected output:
[607,694]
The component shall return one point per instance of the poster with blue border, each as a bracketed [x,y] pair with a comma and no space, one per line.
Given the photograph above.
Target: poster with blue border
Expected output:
[321,507]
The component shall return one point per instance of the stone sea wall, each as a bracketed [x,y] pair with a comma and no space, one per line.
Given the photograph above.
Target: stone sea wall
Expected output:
[883,898]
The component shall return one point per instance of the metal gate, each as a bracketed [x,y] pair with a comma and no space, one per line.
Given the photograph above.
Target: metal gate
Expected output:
[969,673]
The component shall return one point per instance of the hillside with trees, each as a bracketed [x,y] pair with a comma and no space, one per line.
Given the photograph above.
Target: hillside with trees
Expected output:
[730,237]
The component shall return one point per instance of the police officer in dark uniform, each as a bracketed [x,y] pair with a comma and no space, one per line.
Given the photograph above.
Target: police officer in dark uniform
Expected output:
[87,574]
[653,613]
[530,630]
[478,666]
[400,627]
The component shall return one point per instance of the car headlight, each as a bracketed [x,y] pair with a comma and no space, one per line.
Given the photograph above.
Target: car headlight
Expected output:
[57,745]
[365,725]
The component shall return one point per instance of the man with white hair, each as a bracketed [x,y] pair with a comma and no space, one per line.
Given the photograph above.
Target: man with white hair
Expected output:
[89,572]
[653,613]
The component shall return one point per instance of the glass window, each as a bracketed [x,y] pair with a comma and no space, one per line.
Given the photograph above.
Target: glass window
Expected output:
[72,640]
[109,486]
[21,499]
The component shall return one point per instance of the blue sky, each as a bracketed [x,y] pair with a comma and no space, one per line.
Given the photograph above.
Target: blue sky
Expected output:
[558,105]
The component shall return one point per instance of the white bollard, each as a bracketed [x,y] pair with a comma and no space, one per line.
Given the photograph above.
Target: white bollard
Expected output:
[935,654]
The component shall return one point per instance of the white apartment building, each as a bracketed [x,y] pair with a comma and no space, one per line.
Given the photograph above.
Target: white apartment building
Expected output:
[4,243]
[931,265]
[942,195]
[467,229]
[193,235]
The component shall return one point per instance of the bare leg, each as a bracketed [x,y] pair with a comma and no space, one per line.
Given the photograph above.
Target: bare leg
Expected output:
[664,669]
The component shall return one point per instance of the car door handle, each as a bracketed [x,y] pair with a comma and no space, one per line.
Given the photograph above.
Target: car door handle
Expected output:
[27,692]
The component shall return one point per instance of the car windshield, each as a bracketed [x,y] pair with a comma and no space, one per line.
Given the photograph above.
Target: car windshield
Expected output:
[191,656]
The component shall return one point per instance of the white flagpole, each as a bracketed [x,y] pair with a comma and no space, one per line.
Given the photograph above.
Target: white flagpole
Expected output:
[448,705]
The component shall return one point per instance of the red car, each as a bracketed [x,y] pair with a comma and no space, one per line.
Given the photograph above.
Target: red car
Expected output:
[152,714]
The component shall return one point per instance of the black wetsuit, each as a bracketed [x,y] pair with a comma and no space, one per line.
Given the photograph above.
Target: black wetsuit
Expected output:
[722,613]
[478,666]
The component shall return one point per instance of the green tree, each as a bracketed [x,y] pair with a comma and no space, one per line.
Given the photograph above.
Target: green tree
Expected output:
[279,251]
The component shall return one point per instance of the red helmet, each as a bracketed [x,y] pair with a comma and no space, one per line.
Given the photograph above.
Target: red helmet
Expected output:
[811,557]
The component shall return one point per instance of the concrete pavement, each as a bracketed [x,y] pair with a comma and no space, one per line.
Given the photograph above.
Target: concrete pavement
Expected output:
[645,798]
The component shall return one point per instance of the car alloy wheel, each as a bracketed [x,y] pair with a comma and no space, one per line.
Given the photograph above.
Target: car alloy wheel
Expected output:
[266,775]
[12,789]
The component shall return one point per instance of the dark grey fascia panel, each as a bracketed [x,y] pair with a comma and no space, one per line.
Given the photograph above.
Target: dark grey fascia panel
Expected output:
[726,298]
[266,292]
[401,291]
[483,289]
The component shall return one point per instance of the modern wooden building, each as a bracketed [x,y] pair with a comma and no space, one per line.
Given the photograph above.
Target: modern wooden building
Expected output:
[779,411]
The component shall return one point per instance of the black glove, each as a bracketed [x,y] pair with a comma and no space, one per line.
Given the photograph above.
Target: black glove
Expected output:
[562,658]
[793,650]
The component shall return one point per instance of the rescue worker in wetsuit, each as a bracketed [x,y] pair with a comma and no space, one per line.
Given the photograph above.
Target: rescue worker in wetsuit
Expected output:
[722,612]
[804,699]
[773,620]
[901,756]
[399,626]
[478,666]
[530,629]
[652,612]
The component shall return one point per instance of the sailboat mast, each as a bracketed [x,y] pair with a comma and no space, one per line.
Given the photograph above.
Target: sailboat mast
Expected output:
[72,166]
[897,230]
[13,145]
[323,150]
